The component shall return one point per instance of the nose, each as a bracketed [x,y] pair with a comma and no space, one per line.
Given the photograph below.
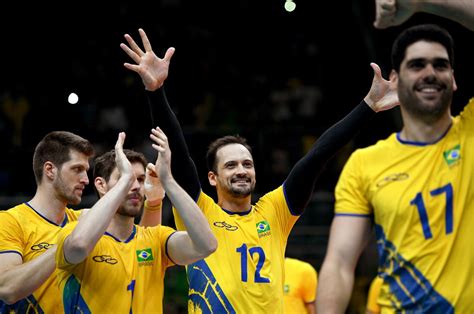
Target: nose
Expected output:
[85,179]
[241,170]
[429,70]
[136,185]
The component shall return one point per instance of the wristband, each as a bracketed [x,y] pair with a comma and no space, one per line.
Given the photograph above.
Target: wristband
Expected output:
[152,208]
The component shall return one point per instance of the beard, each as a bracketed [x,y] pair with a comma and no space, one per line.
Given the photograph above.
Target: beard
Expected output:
[64,193]
[130,210]
[425,110]
[242,191]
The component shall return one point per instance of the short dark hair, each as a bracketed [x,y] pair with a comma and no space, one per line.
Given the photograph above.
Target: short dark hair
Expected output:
[220,142]
[105,164]
[56,147]
[424,32]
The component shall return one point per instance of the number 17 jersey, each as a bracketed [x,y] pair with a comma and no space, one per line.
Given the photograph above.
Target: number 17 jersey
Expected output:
[421,196]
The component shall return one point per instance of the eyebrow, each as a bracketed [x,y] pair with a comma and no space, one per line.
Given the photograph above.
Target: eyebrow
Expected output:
[434,60]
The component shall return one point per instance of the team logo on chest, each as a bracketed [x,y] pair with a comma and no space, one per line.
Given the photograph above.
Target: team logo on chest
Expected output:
[453,155]
[145,257]
[263,228]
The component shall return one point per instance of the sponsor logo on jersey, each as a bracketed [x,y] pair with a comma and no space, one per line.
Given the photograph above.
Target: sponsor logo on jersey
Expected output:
[145,256]
[105,259]
[41,246]
[453,155]
[225,225]
[392,178]
[263,228]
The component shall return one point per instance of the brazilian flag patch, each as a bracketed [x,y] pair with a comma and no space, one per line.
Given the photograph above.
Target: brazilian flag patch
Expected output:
[263,228]
[144,255]
[452,155]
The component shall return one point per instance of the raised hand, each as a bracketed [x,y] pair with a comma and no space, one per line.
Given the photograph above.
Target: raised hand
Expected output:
[123,164]
[393,12]
[382,94]
[151,68]
[153,188]
[163,160]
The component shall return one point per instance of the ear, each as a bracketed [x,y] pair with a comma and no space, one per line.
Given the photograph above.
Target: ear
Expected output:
[393,77]
[455,86]
[49,170]
[100,185]
[212,177]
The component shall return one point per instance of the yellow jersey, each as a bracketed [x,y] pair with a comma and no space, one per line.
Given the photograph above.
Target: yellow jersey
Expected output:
[421,196]
[116,277]
[27,233]
[301,282]
[245,274]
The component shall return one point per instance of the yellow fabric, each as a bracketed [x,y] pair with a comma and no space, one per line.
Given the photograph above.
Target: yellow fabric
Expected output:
[25,232]
[245,274]
[422,200]
[374,292]
[117,277]
[300,285]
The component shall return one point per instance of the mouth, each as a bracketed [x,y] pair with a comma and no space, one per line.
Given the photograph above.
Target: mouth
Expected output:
[135,200]
[241,181]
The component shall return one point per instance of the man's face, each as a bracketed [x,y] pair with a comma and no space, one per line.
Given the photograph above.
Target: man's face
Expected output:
[72,178]
[426,81]
[133,203]
[235,170]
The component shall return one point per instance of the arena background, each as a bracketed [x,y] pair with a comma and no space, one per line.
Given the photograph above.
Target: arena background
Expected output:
[247,67]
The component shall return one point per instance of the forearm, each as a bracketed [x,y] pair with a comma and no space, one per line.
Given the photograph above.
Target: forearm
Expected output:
[183,167]
[22,280]
[203,241]
[461,11]
[151,215]
[300,182]
[334,289]
[92,226]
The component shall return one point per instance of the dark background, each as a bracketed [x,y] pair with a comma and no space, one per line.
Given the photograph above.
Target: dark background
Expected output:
[247,67]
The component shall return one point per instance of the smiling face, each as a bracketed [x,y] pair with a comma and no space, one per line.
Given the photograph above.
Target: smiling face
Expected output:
[235,173]
[425,81]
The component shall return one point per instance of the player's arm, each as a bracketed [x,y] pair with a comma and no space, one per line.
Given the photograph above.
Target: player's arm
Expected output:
[347,239]
[310,307]
[93,224]
[18,280]
[153,72]
[198,242]
[300,182]
[395,12]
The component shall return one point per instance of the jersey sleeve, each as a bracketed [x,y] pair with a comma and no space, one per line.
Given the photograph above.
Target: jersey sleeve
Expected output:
[11,234]
[276,201]
[351,190]
[163,233]
[61,262]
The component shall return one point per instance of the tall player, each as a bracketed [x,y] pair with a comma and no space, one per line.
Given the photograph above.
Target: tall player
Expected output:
[28,231]
[245,274]
[417,187]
